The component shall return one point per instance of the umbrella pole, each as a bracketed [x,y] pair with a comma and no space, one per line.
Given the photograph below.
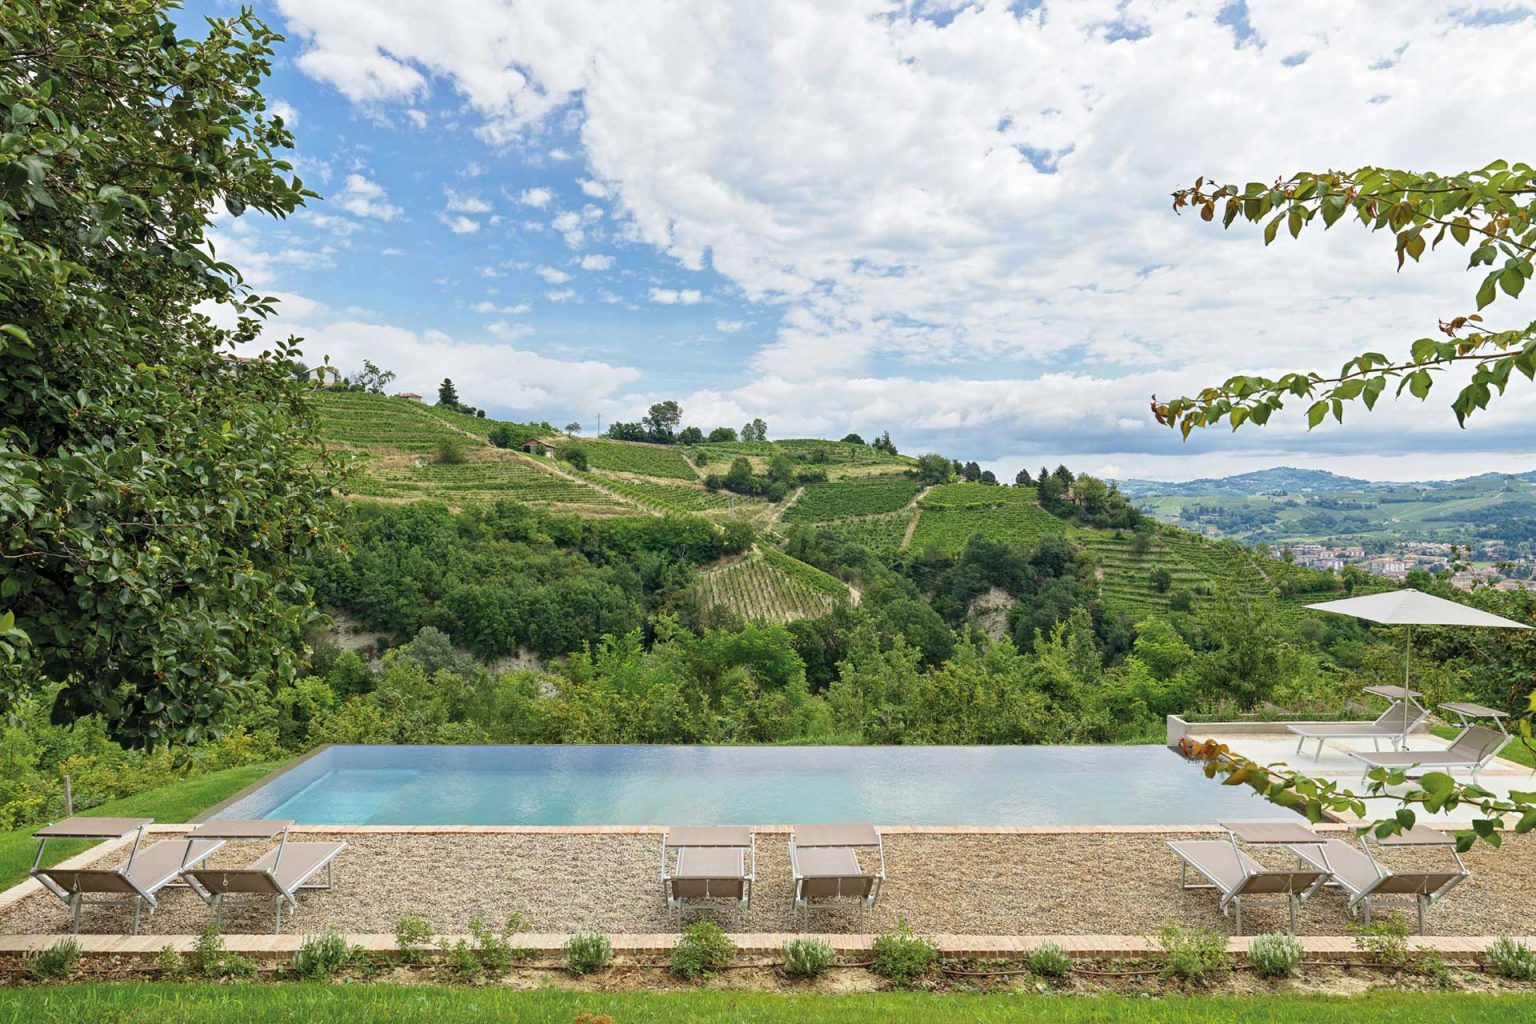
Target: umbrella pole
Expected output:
[1407,660]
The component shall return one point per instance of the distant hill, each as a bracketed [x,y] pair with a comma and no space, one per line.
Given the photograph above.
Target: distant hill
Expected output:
[1264,481]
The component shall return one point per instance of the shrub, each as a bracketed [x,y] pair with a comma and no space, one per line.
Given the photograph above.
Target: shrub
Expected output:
[1275,954]
[703,949]
[450,452]
[901,956]
[170,964]
[1191,954]
[807,958]
[494,949]
[412,935]
[1386,940]
[1509,958]
[588,953]
[57,961]
[211,960]
[320,956]
[1049,961]
[576,455]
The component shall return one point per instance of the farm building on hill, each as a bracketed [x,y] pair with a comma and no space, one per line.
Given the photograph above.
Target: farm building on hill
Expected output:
[538,447]
[409,396]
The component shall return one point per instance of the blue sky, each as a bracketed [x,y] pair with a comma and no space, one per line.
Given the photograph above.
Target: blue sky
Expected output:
[949,221]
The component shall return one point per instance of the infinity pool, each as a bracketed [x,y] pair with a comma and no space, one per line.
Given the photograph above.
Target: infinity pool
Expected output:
[653,785]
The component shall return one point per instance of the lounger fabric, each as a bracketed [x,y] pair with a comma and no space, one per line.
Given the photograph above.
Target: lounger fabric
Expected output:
[1472,749]
[299,861]
[1236,875]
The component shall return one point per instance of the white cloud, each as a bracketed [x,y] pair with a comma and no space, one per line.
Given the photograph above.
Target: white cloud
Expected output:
[508,331]
[982,197]
[463,202]
[459,224]
[561,295]
[418,118]
[674,296]
[569,224]
[490,307]
[363,197]
[391,251]
[561,155]
[552,275]
[473,169]
[729,326]
[536,197]
[285,110]
[596,261]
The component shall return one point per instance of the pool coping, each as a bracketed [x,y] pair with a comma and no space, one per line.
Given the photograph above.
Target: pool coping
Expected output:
[265,780]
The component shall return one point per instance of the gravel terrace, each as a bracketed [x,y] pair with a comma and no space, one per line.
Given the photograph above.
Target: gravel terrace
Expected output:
[1098,883]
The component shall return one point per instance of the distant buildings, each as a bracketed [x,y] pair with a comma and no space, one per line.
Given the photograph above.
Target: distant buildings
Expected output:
[409,396]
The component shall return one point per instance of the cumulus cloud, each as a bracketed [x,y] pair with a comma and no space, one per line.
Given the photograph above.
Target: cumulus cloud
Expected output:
[675,296]
[459,224]
[486,306]
[536,197]
[464,202]
[729,326]
[552,275]
[363,197]
[980,197]
[285,110]
[561,295]
[596,261]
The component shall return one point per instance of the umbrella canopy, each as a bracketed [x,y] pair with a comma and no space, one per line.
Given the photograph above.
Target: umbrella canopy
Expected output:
[1413,608]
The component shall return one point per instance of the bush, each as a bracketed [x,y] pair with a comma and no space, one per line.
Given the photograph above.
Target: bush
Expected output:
[703,949]
[588,953]
[901,956]
[1191,954]
[211,960]
[320,956]
[57,961]
[449,452]
[170,964]
[1049,961]
[807,958]
[493,951]
[412,935]
[1275,954]
[1511,959]
[575,454]
[1386,940]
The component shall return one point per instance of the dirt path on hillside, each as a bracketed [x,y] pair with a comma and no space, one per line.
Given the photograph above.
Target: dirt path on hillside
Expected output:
[906,538]
[548,466]
[778,510]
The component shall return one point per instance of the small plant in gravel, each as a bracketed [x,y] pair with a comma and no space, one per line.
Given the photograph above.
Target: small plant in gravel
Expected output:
[1385,940]
[412,936]
[1512,959]
[1275,954]
[211,960]
[1049,961]
[170,965]
[319,957]
[900,957]
[703,949]
[588,953]
[57,961]
[807,958]
[1191,955]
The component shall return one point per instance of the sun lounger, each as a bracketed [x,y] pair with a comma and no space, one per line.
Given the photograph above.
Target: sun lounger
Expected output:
[1473,750]
[1235,876]
[279,873]
[703,865]
[824,864]
[1365,878]
[138,879]
[1390,727]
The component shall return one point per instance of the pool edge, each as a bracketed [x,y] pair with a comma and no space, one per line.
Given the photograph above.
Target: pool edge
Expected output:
[283,769]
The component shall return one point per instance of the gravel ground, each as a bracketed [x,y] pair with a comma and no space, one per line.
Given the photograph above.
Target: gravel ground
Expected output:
[959,884]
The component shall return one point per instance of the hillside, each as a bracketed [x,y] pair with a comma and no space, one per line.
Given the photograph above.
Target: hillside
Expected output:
[868,499]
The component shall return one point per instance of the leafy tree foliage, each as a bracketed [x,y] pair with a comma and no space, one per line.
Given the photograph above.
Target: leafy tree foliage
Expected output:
[852,438]
[447,394]
[883,443]
[661,422]
[757,430]
[371,378]
[690,435]
[722,434]
[934,469]
[1489,211]
[155,492]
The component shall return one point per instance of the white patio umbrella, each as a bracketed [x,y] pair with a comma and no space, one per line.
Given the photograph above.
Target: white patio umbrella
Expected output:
[1411,608]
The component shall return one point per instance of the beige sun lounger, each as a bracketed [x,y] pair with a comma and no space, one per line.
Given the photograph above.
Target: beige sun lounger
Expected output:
[1474,750]
[703,865]
[1235,875]
[279,873]
[138,879]
[824,865]
[1365,878]
[1389,726]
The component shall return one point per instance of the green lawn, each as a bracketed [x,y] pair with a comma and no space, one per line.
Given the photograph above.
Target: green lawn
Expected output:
[177,801]
[334,1004]
[1517,751]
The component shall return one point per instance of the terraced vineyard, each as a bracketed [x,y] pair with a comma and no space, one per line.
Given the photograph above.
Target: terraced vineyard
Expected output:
[361,420]
[1197,565]
[824,502]
[640,459]
[668,497]
[769,586]
[490,476]
[947,528]
[879,533]
[803,450]
[978,496]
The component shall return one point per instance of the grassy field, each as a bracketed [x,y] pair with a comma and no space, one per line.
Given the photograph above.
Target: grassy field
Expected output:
[386,1004]
[178,801]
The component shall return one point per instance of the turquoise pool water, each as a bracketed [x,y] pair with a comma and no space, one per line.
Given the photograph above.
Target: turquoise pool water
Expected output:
[652,785]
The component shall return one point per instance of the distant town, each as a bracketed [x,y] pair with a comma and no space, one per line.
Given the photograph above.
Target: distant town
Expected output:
[1491,564]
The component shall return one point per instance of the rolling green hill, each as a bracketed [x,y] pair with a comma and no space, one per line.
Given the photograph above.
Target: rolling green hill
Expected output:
[868,499]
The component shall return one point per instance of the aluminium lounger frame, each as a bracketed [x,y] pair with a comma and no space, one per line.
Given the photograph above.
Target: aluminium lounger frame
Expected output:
[1255,880]
[261,877]
[1426,887]
[832,886]
[1474,749]
[685,887]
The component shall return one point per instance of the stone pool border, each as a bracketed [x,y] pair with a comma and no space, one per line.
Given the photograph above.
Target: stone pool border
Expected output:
[1005,947]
